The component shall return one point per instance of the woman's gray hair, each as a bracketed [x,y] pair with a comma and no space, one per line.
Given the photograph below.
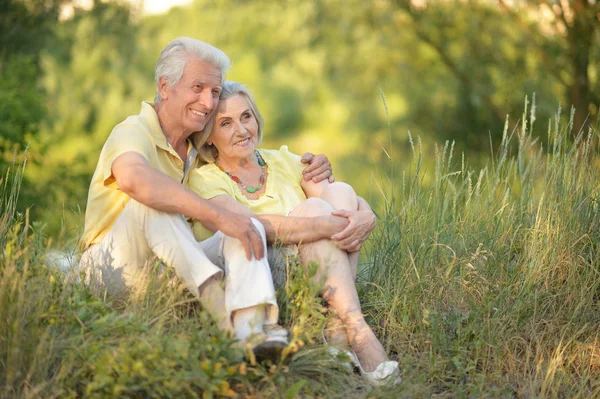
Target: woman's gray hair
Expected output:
[208,153]
[177,53]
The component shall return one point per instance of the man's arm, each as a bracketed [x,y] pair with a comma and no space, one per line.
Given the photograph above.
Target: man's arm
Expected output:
[287,229]
[138,180]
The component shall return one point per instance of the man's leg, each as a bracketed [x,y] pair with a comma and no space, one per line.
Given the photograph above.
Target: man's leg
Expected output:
[140,231]
[248,283]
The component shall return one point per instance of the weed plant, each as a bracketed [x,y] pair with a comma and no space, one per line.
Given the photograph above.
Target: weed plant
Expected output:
[488,282]
[484,284]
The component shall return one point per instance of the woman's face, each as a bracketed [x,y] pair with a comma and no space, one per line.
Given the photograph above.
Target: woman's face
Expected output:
[235,132]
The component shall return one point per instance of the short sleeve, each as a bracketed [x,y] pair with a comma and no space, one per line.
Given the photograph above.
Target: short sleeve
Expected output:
[124,138]
[208,183]
[291,162]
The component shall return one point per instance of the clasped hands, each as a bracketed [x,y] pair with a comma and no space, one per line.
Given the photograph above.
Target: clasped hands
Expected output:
[359,227]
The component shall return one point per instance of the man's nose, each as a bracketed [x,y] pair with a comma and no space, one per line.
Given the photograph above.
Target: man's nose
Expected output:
[206,99]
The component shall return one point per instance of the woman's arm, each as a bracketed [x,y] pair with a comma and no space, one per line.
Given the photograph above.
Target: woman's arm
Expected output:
[288,229]
[312,189]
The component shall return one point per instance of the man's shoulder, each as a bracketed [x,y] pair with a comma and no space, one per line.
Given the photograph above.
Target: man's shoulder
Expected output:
[133,126]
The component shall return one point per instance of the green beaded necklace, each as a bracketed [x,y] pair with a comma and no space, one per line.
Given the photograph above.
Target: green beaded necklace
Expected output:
[236,179]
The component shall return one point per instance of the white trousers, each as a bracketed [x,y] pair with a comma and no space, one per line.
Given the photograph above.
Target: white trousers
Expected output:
[116,263]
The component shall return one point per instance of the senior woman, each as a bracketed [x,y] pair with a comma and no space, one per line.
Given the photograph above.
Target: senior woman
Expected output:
[328,220]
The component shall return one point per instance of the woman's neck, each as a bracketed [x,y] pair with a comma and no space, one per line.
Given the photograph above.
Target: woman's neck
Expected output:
[233,165]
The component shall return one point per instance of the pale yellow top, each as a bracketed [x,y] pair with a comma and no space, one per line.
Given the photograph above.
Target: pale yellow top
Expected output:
[141,134]
[283,191]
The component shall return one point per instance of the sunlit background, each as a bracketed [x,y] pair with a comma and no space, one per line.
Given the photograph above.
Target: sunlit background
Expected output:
[344,77]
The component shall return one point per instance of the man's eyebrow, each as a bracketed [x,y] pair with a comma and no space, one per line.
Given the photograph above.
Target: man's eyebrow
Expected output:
[204,81]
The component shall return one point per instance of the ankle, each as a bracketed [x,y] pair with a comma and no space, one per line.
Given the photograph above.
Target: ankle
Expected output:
[248,321]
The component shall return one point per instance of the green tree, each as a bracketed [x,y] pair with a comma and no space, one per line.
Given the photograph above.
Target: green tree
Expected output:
[90,75]
[26,28]
[574,28]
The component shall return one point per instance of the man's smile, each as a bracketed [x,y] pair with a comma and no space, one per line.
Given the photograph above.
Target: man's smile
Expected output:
[198,113]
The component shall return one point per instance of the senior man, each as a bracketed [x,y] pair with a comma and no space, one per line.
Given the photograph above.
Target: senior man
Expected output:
[138,200]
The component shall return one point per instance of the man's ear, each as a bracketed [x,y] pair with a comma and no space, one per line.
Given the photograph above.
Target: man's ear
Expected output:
[163,88]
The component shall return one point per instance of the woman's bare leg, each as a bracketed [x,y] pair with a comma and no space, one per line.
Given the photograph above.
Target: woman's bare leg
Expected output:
[339,290]
[341,196]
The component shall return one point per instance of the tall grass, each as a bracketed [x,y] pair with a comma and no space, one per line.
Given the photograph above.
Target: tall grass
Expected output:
[57,340]
[485,283]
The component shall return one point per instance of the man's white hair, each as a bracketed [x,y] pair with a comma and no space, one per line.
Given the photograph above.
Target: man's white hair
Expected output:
[174,57]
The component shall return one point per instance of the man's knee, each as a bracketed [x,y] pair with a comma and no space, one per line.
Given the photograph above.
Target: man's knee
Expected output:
[259,226]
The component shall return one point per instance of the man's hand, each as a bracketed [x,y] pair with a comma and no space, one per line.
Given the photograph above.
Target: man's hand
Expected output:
[360,225]
[241,227]
[318,169]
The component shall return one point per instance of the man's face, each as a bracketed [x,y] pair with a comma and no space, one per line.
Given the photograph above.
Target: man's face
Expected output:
[190,102]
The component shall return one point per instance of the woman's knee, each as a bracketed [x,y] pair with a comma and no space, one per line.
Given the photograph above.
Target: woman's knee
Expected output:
[340,187]
[313,207]
[340,195]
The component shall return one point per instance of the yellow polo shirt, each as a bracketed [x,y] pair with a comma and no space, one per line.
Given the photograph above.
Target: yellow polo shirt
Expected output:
[141,134]
[282,193]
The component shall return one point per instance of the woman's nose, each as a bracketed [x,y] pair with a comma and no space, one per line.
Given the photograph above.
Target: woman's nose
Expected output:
[240,127]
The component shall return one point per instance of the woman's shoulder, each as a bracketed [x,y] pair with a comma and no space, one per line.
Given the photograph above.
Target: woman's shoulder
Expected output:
[283,154]
[206,169]
[286,163]
[206,173]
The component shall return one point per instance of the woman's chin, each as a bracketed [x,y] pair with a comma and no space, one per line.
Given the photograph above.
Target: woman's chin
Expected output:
[246,151]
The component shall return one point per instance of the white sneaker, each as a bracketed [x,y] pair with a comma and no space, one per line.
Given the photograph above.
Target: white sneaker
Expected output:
[384,373]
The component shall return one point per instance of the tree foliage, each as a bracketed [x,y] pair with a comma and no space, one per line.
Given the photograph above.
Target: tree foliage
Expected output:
[26,29]
[448,70]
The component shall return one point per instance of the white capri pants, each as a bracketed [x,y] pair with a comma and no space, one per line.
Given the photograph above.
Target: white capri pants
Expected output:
[116,262]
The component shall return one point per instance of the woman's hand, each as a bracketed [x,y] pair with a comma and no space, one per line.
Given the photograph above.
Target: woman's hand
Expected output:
[331,225]
[318,169]
[360,225]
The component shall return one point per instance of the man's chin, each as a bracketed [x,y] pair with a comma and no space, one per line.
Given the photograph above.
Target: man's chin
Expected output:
[196,127]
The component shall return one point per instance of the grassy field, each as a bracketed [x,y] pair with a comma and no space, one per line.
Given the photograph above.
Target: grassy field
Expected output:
[484,284]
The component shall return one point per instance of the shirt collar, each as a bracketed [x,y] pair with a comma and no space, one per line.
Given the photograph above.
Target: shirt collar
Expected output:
[149,115]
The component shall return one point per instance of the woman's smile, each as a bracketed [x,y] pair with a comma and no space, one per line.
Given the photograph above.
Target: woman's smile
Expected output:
[243,142]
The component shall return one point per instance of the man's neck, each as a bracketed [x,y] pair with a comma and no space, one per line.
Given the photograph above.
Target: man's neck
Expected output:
[176,137]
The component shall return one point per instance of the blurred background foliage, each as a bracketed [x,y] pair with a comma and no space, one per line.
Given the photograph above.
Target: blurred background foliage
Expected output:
[320,70]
